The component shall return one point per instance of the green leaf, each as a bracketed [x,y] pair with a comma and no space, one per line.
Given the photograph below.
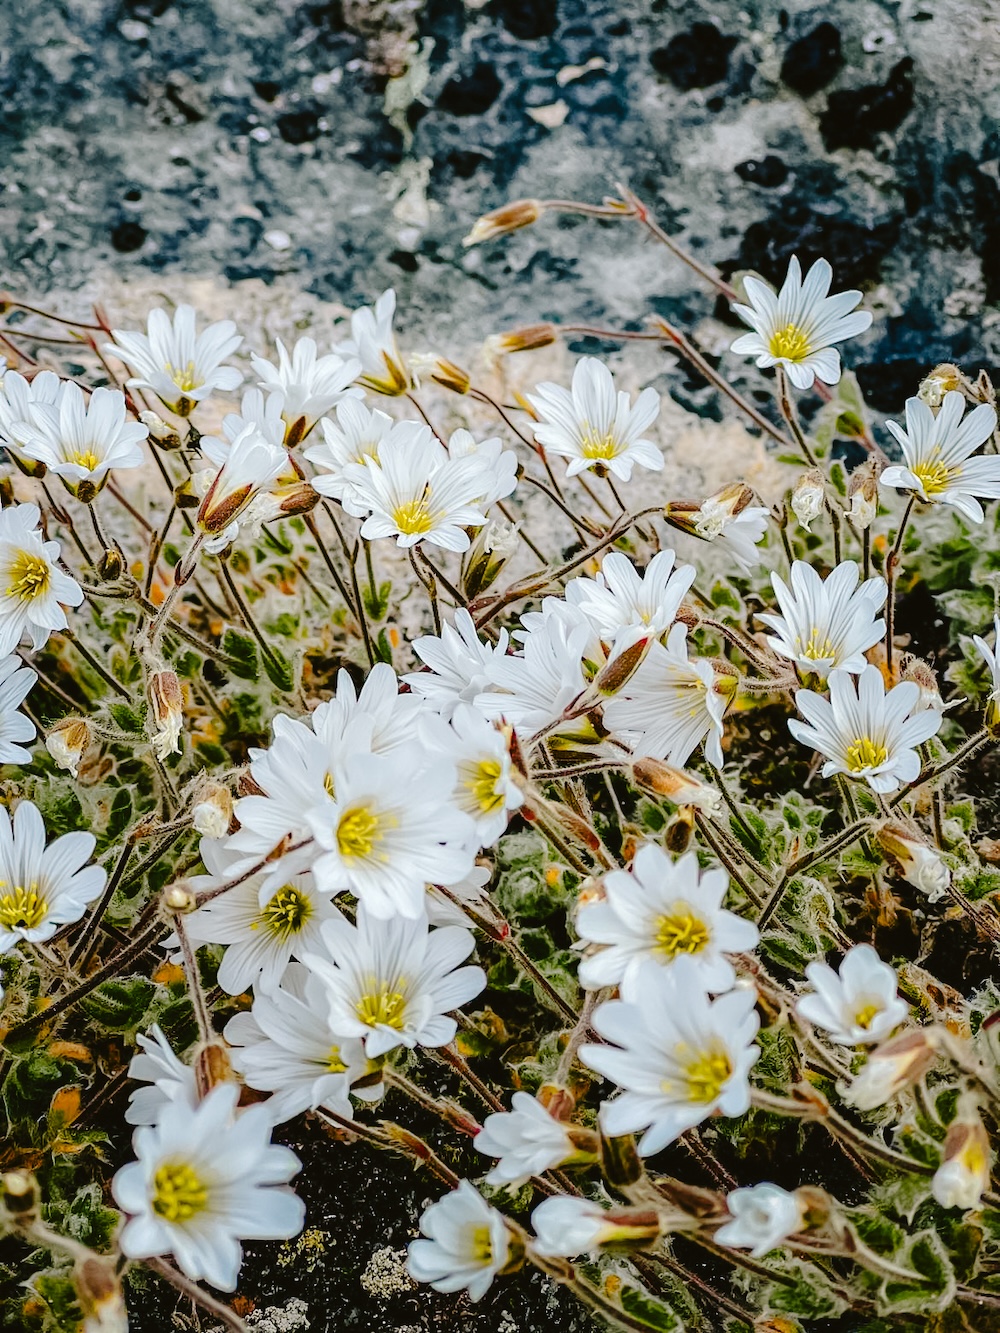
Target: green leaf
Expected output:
[242,649]
[131,718]
[120,1003]
[279,670]
[648,1312]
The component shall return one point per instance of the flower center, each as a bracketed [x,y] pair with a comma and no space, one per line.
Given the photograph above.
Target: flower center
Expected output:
[865,753]
[334,1064]
[178,1193]
[84,458]
[596,446]
[790,343]
[414,515]
[867,1015]
[482,783]
[358,833]
[933,475]
[382,1008]
[681,931]
[186,378]
[481,1246]
[286,913]
[22,909]
[817,649]
[707,1074]
[29,576]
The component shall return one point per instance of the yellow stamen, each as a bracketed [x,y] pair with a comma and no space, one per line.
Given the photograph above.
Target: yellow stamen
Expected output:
[482,1246]
[597,446]
[482,781]
[707,1075]
[866,1016]
[185,378]
[286,913]
[865,753]
[28,576]
[334,1064]
[791,343]
[84,458]
[817,649]
[414,515]
[22,909]
[933,475]
[681,931]
[385,1007]
[358,832]
[178,1193]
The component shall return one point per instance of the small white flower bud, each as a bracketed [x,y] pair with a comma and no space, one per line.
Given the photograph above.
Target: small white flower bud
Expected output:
[160,431]
[166,707]
[862,491]
[212,812]
[893,1066]
[67,742]
[919,864]
[808,497]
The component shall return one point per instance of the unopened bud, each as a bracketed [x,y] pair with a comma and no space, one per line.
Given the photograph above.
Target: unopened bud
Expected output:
[617,673]
[165,436]
[67,742]
[709,519]
[428,366]
[179,898]
[269,506]
[919,864]
[893,1066]
[678,786]
[964,1174]
[942,379]
[31,467]
[926,682]
[112,563]
[19,1195]
[680,831]
[6,490]
[529,338]
[212,1066]
[99,1292]
[212,812]
[520,213]
[557,1101]
[166,710]
[809,497]
[620,1160]
[491,549]
[862,492]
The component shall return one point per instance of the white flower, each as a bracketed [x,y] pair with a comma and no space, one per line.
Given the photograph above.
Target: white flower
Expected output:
[255,410]
[389,828]
[527,1141]
[867,734]
[808,498]
[168,1080]
[180,366]
[16,682]
[415,492]
[253,462]
[797,327]
[17,398]
[662,910]
[286,1046]
[468,1244]
[394,983]
[763,1217]
[262,929]
[484,789]
[373,343]
[310,385]
[538,684]
[81,440]
[459,663]
[670,706]
[858,1006]
[42,888]
[919,864]
[964,1175]
[33,589]
[593,425]
[826,623]
[738,526]
[204,1179]
[678,1056]
[624,605]
[566,1227]
[357,434]
[991,656]
[499,465]
[893,1066]
[939,467]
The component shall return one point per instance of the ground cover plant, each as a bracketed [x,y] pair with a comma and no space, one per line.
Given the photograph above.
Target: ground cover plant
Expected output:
[640,856]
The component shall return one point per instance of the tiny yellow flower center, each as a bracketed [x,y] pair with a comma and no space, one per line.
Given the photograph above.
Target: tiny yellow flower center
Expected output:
[178,1193]
[934,475]
[707,1074]
[382,1007]
[22,909]
[482,1246]
[865,753]
[482,782]
[414,515]
[358,833]
[334,1064]
[185,378]
[817,649]
[597,446]
[791,343]
[867,1015]
[681,931]
[84,458]
[286,913]
[28,576]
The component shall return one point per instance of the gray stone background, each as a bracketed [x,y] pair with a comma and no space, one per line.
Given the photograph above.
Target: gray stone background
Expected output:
[309,152]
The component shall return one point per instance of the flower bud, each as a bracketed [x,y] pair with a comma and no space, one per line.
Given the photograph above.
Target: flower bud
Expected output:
[19,1196]
[708,520]
[926,682]
[678,786]
[491,549]
[428,366]
[964,1174]
[166,710]
[165,436]
[529,338]
[99,1292]
[179,898]
[808,497]
[862,491]
[893,1066]
[67,742]
[620,1160]
[211,1066]
[919,864]
[111,565]
[520,213]
[942,379]
[269,506]
[212,812]
[617,673]
[680,831]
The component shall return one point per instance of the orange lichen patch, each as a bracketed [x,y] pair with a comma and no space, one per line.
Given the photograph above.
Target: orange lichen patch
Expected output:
[395,638]
[242,1305]
[72,1050]
[168,974]
[157,593]
[612,1284]
[553,874]
[65,1105]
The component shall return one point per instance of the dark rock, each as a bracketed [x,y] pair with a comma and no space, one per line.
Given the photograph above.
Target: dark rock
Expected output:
[471,94]
[855,117]
[266,89]
[812,61]
[300,126]
[405,260]
[696,58]
[768,172]
[796,227]
[464,161]
[887,385]
[128,236]
[133,195]
[527,20]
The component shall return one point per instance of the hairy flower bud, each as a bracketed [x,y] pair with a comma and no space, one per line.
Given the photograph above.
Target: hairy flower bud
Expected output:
[67,742]
[99,1292]
[893,1066]
[964,1174]
[919,864]
[862,492]
[164,435]
[179,898]
[926,682]
[520,213]
[212,811]
[808,497]
[526,339]
[942,379]
[491,549]
[19,1196]
[212,1066]
[428,366]
[166,711]
[680,831]
[677,785]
